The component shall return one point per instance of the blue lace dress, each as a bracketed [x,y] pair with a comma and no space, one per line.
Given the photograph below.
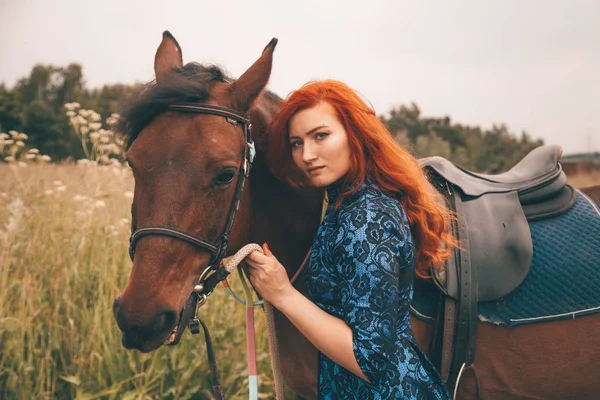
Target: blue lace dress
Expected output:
[361,270]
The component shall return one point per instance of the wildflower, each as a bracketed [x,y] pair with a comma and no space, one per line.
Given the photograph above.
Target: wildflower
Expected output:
[34,151]
[9,141]
[71,114]
[95,126]
[30,156]
[20,143]
[46,158]
[3,136]
[113,119]
[23,136]
[94,116]
[14,134]
[16,210]
[128,194]
[72,106]
[9,159]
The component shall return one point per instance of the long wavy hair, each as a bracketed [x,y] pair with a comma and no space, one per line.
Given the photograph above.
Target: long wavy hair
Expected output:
[374,154]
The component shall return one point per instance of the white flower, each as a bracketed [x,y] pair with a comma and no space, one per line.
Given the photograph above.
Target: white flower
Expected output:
[34,151]
[9,159]
[58,183]
[99,203]
[94,116]
[9,141]
[14,134]
[20,144]
[3,136]
[71,114]
[31,156]
[94,136]
[113,119]
[61,188]
[46,158]
[95,126]
[23,136]
[22,164]
[128,194]
[48,192]
[72,106]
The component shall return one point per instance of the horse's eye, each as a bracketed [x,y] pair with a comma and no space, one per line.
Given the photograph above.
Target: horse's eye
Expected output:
[224,177]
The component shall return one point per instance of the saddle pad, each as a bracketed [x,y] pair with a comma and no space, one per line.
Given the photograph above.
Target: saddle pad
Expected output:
[564,280]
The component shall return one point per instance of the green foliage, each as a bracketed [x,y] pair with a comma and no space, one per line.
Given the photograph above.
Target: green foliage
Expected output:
[490,151]
[35,106]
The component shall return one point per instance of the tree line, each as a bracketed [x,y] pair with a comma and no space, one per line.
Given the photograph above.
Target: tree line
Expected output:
[35,105]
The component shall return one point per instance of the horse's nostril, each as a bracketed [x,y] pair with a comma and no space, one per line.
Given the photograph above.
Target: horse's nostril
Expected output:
[165,321]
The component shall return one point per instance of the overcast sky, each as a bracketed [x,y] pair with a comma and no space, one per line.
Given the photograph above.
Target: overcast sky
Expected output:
[534,65]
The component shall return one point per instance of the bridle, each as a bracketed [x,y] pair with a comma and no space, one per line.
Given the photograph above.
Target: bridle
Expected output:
[217,248]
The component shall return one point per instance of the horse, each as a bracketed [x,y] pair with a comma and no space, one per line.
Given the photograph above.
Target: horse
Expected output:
[189,147]
[593,192]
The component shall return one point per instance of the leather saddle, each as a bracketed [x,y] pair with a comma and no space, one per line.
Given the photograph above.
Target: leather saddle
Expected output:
[492,214]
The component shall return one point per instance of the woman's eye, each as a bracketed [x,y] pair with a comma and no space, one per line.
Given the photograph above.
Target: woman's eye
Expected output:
[321,135]
[295,144]
[224,178]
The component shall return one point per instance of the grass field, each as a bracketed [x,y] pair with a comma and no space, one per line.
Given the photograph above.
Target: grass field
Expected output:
[63,258]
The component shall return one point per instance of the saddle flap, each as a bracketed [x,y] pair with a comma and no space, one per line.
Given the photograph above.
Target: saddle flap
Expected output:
[500,246]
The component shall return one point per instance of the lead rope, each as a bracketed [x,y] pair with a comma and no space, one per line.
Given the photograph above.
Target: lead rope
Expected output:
[269,320]
[233,262]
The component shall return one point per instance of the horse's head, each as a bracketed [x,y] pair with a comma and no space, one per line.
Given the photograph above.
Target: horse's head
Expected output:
[187,162]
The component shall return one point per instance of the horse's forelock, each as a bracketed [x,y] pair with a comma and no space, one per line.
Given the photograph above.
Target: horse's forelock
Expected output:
[191,83]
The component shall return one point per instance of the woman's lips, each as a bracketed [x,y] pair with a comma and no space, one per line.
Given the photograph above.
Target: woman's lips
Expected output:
[315,171]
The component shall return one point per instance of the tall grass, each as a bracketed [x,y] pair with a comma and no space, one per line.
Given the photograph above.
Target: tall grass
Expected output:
[63,259]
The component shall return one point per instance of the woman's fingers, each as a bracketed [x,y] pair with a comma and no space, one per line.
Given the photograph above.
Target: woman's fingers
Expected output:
[267,250]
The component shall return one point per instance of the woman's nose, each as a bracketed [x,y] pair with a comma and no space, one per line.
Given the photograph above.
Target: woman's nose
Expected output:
[308,154]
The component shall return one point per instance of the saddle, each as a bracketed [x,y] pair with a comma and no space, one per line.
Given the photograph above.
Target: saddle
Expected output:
[495,248]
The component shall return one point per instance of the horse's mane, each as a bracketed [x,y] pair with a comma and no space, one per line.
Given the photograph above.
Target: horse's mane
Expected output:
[190,83]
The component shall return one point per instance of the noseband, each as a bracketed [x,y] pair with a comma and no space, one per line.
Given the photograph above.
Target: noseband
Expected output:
[218,247]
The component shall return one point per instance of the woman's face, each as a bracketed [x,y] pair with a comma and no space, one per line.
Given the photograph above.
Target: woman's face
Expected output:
[319,144]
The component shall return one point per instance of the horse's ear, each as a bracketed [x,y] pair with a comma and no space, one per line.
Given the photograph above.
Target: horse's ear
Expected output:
[168,56]
[253,81]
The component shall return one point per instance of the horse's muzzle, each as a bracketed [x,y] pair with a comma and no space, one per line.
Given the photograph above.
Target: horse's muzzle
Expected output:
[150,336]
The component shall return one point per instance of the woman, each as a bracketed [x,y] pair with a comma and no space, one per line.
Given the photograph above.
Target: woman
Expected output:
[383,224]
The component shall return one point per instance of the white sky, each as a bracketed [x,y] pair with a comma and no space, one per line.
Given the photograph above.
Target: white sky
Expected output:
[532,64]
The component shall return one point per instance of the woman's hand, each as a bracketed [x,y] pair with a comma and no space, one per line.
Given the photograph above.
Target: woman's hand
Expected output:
[268,276]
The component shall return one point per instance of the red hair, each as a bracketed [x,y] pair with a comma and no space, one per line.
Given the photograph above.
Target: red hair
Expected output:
[375,154]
